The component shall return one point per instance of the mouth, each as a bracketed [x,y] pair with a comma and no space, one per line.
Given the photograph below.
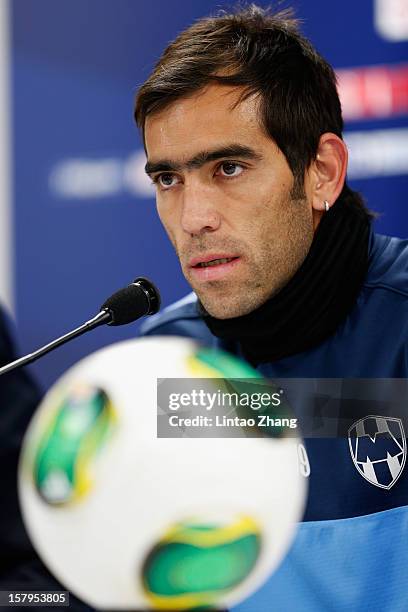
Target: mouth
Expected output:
[213,266]
[214,262]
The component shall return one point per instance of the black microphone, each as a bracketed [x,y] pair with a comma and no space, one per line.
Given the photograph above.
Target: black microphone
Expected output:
[138,299]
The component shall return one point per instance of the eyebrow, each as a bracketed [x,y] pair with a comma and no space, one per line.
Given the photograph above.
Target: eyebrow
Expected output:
[201,158]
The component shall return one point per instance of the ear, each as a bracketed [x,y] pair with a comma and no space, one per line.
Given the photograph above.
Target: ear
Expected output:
[327,172]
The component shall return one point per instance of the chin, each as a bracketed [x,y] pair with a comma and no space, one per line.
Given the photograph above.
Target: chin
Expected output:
[221,310]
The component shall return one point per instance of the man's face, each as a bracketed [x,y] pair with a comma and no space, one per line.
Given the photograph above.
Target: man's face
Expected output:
[224,195]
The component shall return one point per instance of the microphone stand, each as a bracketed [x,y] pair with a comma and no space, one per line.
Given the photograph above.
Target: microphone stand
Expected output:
[104,316]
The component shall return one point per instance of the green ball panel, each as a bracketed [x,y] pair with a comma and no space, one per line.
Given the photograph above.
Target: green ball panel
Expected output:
[78,429]
[178,568]
[227,365]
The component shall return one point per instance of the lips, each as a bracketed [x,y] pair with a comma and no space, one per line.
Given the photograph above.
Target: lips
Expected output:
[214,262]
[214,266]
[212,259]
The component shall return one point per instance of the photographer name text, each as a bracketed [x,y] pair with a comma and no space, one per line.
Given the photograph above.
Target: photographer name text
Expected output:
[260,420]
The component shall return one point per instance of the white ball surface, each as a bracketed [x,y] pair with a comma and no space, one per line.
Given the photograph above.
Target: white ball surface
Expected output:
[138,486]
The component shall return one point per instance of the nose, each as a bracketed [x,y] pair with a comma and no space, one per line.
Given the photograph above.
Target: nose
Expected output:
[199,212]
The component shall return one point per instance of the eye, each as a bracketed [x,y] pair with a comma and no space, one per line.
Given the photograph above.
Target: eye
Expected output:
[166,180]
[230,169]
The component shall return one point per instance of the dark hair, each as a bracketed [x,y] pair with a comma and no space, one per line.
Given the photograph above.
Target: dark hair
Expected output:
[266,55]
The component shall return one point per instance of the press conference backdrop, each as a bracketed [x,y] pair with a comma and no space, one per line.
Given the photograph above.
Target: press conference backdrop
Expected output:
[83,213]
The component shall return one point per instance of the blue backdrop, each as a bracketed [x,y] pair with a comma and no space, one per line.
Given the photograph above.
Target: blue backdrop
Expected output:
[84,215]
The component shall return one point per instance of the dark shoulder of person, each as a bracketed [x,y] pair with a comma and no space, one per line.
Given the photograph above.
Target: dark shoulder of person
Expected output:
[20,567]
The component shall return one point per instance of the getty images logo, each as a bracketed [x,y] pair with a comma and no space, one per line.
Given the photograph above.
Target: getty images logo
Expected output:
[378,448]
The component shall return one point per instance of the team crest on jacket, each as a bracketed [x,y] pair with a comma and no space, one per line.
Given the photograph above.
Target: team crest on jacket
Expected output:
[378,448]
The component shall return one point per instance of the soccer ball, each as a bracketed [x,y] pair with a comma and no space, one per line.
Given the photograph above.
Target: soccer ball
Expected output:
[129,520]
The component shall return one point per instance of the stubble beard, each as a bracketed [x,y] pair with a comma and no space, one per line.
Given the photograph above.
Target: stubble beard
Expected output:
[281,256]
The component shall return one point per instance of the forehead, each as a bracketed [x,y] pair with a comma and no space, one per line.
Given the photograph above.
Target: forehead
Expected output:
[210,116]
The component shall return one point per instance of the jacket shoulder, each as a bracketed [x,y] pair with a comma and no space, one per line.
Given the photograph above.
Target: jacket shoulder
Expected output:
[179,319]
[389,265]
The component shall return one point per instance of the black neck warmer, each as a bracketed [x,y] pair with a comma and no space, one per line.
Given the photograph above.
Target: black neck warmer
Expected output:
[317,298]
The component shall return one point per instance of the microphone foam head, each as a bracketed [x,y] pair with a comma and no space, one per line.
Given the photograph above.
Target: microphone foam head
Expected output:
[132,302]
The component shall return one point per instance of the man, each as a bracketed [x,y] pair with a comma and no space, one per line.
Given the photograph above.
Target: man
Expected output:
[243,134]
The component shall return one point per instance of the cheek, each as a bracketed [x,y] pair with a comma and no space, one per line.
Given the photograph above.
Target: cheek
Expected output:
[168,221]
[270,225]
[161,212]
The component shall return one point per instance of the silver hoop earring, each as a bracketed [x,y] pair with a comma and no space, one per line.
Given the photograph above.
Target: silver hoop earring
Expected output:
[326,206]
